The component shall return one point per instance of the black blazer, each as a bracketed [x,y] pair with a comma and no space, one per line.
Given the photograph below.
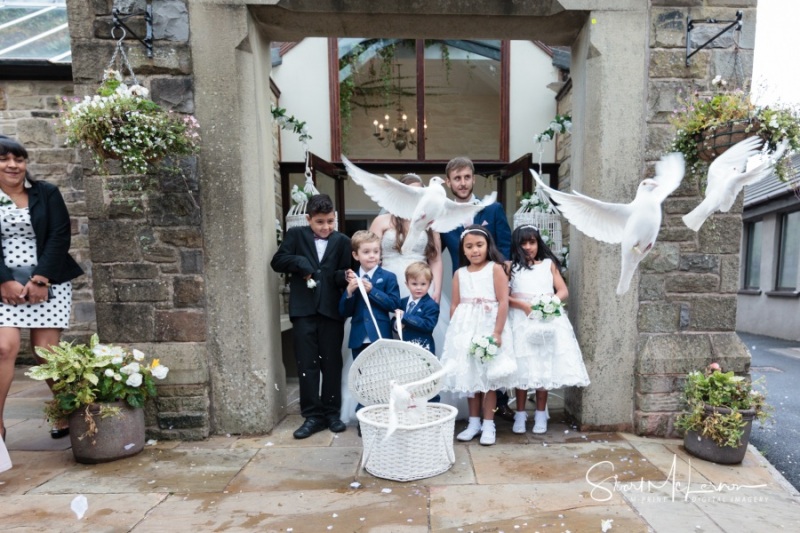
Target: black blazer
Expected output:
[50,221]
[297,256]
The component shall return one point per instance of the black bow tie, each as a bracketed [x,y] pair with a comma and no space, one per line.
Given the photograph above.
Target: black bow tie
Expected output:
[320,238]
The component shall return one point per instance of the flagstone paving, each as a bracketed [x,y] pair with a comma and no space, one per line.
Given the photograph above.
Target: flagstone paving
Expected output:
[565,480]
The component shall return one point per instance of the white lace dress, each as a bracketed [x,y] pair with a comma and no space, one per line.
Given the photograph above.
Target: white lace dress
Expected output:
[475,316]
[547,352]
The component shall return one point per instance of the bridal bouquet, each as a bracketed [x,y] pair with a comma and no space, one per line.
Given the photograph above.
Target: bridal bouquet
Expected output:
[483,347]
[546,308]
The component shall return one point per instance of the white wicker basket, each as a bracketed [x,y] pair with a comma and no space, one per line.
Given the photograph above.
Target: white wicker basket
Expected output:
[422,444]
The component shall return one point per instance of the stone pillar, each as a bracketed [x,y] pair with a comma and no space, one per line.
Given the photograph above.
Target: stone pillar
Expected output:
[147,248]
[609,73]
[244,340]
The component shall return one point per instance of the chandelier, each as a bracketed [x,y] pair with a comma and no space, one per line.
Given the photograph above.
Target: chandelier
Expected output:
[399,136]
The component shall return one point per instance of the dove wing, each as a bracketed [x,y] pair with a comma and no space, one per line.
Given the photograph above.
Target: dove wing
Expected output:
[669,173]
[734,160]
[399,199]
[600,220]
[763,169]
[454,214]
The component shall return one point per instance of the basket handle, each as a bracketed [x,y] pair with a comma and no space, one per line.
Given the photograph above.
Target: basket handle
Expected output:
[363,292]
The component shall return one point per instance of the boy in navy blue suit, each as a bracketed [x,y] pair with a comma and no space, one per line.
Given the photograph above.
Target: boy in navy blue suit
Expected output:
[317,257]
[382,290]
[419,312]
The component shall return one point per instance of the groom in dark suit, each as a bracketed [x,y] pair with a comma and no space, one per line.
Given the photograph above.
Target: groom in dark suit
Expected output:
[460,178]
[317,258]
[460,174]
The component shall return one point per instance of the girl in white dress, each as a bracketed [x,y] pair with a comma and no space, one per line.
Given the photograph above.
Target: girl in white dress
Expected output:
[479,308]
[548,355]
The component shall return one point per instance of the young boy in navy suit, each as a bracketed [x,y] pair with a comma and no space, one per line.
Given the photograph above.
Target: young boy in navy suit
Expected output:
[382,290]
[317,257]
[419,312]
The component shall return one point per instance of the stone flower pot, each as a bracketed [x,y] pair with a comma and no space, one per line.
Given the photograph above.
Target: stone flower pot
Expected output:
[706,448]
[117,436]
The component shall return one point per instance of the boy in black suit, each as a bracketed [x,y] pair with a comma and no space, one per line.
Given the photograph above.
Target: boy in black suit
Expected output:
[317,257]
[419,312]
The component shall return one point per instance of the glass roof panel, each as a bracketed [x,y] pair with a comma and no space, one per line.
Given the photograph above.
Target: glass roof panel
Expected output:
[34,29]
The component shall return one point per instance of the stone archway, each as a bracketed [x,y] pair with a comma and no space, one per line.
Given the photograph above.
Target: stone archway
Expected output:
[231,73]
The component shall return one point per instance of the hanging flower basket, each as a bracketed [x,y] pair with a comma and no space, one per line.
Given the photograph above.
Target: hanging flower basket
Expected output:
[716,140]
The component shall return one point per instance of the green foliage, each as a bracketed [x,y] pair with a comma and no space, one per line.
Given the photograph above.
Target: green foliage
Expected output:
[121,123]
[290,123]
[698,113]
[83,375]
[715,388]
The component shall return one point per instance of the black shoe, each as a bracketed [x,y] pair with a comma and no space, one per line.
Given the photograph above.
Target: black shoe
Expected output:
[309,427]
[336,425]
[505,412]
[59,433]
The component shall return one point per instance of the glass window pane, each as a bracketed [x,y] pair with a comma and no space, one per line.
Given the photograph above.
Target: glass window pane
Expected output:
[789,253]
[378,98]
[462,99]
[43,27]
[752,273]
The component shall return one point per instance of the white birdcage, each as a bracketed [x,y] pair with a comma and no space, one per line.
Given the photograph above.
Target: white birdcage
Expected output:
[539,212]
[419,442]
[296,217]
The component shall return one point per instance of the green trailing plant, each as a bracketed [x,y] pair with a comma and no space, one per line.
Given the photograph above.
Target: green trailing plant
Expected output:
[714,388]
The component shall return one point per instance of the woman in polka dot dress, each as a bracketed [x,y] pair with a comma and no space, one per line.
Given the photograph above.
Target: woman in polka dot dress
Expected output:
[35,231]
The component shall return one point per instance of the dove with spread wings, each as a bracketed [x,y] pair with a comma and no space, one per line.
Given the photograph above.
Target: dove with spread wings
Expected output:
[729,173]
[424,207]
[634,225]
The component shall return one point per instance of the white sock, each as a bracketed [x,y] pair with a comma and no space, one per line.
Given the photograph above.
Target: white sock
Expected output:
[488,424]
[474,421]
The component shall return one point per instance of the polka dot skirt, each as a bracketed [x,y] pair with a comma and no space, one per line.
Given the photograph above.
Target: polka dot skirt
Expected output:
[19,249]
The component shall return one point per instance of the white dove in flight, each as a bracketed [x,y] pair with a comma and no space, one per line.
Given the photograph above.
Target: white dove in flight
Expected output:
[634,225]
[424,207]
[729,173]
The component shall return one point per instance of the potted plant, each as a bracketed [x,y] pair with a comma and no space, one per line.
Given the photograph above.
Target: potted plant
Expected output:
[719,417]
[122,123]
[102,389]
[708,123]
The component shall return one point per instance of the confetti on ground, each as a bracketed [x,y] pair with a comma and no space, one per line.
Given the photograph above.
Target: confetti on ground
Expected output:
[386,491]
[269,444]
[355,485]
[605,525]
[79,506]
[151,442]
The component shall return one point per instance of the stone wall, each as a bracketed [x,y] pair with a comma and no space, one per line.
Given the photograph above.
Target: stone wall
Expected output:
[147,248]
[688,284]
[28,109]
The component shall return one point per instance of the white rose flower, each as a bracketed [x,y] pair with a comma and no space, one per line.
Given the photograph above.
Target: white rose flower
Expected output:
[134,380]
[130,369]
[556,300]
[160,371]
[311,284]
[549,308]
[479,353]
[137,355]
[483,342]
[537,314]
[492,349]
[109,373]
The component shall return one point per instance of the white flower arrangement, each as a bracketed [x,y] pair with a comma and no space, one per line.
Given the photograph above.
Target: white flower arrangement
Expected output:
[299,196]
[546,308]
[533,202]
[483,347]
[560,124]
